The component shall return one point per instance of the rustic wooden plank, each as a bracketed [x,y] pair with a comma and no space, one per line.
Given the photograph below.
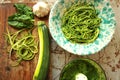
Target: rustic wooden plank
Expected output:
[15,73]
[26,69]
[3,55]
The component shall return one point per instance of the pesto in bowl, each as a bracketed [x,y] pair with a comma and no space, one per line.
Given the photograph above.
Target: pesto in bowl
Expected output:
[84,67]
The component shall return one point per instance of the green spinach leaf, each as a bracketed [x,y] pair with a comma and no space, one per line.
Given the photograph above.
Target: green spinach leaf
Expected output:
[24,18]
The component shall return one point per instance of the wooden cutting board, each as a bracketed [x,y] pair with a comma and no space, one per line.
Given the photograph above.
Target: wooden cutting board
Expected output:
[26,68]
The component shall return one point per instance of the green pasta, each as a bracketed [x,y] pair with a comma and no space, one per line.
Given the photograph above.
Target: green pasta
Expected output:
[80,23]
[24,45]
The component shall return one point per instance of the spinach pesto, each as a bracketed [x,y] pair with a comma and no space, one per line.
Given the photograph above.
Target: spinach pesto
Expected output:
[80,23]
[82,69]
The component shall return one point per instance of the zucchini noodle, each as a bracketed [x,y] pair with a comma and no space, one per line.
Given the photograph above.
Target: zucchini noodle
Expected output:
[23,44]
[80,23]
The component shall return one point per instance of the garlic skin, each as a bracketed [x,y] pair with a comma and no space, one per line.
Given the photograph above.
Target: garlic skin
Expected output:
[41,9]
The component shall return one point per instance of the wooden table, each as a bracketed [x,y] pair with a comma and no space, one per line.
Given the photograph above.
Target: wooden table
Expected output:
[108,58]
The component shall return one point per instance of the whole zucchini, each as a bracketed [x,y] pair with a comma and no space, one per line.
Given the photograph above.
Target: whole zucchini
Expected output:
[43,61]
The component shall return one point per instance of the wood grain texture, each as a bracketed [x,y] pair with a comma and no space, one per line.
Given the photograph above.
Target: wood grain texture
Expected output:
[3,55]
[26,68]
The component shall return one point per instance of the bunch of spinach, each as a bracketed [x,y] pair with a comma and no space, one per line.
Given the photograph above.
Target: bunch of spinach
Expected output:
[23,18]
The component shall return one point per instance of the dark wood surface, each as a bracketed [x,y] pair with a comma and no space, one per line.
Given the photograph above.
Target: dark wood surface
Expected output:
[26,68]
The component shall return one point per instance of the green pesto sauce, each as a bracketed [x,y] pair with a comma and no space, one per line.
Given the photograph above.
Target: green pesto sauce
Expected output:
[80,23]
[87,67]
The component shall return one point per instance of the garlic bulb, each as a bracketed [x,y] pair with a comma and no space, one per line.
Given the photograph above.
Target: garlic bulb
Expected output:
[41,9]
